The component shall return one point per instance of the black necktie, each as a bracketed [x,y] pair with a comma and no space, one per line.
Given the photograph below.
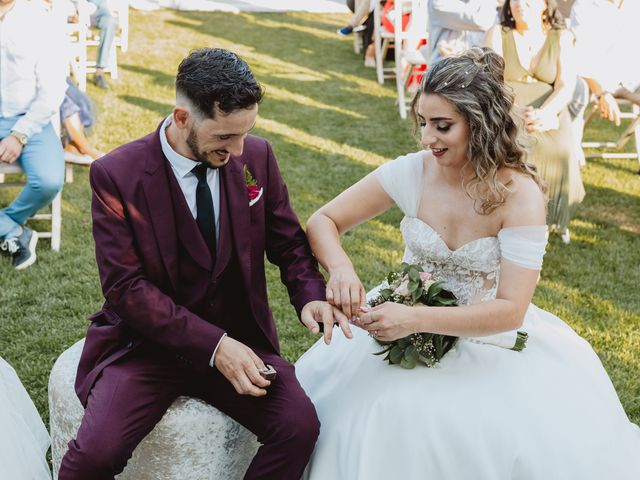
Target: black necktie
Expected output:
[205,216]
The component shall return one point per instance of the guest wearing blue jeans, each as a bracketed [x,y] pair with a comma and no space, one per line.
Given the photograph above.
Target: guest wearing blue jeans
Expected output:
[103,18]
[32,86]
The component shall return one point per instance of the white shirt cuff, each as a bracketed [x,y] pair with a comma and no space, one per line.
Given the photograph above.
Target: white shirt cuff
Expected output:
[211,362]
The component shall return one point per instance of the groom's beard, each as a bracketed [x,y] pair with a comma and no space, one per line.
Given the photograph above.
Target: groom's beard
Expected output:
[215,162]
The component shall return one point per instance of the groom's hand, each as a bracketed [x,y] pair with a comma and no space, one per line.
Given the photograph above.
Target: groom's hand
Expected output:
[240,365]
[316,312]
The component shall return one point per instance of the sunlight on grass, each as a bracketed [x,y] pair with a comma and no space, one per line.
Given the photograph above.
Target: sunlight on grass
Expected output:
[362,85]
[263,64]
[320,144]
[330,124]
[281,94]
[315,32]
[333,21]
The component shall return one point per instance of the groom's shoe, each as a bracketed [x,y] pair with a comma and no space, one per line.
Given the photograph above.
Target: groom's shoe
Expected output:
[22,248]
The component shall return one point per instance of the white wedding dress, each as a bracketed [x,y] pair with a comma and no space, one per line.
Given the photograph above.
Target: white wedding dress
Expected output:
[484,413]
[24,440]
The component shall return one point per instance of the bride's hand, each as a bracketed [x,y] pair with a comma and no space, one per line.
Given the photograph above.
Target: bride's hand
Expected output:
[345,291]
[389,321]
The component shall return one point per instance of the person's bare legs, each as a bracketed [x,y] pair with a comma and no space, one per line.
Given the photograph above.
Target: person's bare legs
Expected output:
[78,139]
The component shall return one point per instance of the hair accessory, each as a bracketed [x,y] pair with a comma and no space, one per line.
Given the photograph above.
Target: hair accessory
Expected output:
[446,83]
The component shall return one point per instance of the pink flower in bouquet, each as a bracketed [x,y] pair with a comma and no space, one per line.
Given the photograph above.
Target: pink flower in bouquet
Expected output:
[403,288]
[424,276]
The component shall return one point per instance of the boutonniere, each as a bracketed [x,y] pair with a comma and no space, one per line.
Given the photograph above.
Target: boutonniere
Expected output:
[253,191]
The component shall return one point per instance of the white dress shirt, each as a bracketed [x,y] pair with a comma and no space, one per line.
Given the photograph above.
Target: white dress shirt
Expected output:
[182,168]
[32,70]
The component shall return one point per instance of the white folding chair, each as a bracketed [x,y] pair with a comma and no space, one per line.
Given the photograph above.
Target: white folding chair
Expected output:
[77,42]
[55,215]
[632,130]
[382,39]
[121,10]
[406,45]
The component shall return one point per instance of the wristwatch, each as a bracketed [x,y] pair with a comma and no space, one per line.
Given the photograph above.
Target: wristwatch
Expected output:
[22,138]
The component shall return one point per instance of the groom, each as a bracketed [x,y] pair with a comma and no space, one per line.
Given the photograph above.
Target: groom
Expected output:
[182,219]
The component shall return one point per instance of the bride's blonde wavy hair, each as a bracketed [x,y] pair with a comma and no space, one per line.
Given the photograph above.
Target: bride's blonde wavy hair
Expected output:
[474,83]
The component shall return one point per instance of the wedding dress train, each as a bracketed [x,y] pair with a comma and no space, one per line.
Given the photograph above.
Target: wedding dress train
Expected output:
[24,440]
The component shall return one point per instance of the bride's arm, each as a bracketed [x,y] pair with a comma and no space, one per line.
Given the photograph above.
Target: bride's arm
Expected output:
[525,207]
[360,202]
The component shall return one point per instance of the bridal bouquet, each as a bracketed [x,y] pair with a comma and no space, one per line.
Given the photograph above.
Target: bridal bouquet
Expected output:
[412,286]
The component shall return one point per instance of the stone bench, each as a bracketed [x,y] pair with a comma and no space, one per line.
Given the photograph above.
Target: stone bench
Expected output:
[197,441]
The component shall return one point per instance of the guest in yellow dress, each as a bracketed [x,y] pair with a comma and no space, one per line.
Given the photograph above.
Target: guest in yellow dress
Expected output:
[536,47]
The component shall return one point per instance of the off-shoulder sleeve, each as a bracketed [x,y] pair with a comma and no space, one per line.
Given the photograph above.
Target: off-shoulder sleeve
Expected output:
[524,246]
[402,180]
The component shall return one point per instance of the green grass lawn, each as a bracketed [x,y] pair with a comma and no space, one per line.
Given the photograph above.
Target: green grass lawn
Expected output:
[330,124]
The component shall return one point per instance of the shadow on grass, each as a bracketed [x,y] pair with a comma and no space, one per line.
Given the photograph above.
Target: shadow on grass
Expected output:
[627,165]
[307,59]
[159,78]
[157,107]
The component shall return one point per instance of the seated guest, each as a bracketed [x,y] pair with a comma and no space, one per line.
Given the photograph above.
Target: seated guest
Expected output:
[30,95]
[362,20]
[104,18]
[457,25]
[604,32]
[77,114]
[537,50]
[361,10]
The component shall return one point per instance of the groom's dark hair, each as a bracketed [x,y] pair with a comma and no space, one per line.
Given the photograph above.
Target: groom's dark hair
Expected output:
[217,79]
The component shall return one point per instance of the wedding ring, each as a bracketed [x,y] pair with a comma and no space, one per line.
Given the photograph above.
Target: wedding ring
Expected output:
[374,334]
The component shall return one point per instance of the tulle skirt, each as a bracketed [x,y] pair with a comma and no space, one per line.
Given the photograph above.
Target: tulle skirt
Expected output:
[24,440]
[484,413]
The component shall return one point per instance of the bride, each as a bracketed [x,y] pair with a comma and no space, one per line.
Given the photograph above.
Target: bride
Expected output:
[474,217]
[24,440]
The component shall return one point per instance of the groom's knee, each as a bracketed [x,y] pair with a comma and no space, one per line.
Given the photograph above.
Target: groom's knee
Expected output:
[95,459]
[298,425]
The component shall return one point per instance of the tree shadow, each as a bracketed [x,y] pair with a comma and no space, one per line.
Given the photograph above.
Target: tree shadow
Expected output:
[152,105]
[308,59]
[160,78]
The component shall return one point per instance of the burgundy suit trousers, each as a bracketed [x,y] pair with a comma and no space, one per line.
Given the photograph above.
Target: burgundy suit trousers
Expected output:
[132,395]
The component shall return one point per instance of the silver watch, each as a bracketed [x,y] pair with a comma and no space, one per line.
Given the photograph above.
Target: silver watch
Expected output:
[22,138]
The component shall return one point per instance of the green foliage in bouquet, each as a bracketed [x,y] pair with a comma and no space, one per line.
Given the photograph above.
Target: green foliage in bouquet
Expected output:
[413,286]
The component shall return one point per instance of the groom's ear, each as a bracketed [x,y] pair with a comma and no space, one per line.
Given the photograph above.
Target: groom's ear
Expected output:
[181,116]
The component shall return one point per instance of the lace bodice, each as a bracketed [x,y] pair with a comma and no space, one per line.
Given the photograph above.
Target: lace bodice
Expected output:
[471,271]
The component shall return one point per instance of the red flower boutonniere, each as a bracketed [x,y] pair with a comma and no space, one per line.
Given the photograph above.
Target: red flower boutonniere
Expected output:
[253,191]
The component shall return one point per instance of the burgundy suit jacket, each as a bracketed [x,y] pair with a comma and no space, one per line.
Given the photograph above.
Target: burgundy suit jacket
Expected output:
[136,241]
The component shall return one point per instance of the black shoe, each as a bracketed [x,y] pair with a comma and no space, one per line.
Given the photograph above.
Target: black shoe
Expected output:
[22,248]
[100,81]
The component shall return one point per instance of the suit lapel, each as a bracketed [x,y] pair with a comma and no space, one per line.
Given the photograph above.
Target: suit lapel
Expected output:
[157,193]
[159,185]
[238,208]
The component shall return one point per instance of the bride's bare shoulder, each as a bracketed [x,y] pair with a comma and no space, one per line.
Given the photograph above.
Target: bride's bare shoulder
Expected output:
[526,203]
